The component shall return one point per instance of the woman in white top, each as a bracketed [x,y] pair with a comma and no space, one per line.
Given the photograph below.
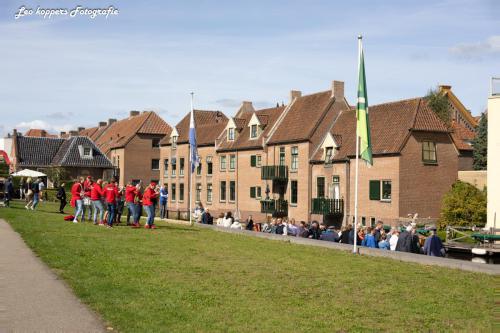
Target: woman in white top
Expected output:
[228,220]
[393,241]
[237,225]
[220,220]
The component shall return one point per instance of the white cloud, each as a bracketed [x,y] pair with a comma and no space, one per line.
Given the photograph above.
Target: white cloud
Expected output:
[40,124]
[478,50]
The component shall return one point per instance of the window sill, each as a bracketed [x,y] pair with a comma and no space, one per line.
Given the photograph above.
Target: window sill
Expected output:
[430,163]
[386,200]
[222,201]
[294,170]
[293,205]
[208,203]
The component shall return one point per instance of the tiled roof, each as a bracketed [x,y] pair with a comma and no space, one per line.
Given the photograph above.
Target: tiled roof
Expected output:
[242,140]
[209,124]
[90,132]
[69,154]
[390,124]
[40,133]
[37,151]
[45,152]
[119,133]
[293,127]
[461,136]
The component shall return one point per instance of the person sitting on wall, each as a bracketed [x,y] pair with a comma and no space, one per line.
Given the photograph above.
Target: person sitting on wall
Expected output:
[206,217]
[220,220]
[237,225]
[433,245]
[228,220]
[314,231]
[249,223]
[328,234]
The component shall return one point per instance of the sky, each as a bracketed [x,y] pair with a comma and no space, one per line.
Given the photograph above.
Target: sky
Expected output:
[62,72]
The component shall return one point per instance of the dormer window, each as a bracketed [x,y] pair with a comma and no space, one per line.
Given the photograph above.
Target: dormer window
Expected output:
[230,134]
[253,131]
[85,152]
[328,154]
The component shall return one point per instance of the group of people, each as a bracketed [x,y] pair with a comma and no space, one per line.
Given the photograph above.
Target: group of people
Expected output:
[33,192]
[406,239]
[104,202]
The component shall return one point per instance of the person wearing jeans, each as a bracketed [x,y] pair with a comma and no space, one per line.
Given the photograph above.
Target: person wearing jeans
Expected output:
[111,194]
[150,195]
[163,201]
[96,193]
[76,198]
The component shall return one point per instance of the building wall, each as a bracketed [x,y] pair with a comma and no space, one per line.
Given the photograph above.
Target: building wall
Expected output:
[465,161]
[476,178]
[135,160]
[384,168]
[423,185]
[493,162]
[117,157]
[328,171]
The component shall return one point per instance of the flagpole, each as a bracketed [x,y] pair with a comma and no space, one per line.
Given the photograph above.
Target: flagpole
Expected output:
[191,172]
[355,248]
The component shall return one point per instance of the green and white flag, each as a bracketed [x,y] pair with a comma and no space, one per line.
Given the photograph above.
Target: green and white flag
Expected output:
[363,123]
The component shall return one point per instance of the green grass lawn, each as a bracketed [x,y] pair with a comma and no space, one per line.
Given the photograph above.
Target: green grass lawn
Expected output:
[188,279]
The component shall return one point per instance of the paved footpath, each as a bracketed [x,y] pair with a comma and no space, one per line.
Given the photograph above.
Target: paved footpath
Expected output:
[32,298]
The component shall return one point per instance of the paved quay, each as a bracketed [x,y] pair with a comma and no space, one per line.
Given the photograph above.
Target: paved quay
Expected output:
[32,297]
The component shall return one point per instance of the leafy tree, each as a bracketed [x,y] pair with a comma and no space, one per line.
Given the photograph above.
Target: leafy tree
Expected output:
[480,144]
[57,175]
[463,205]
[439,104]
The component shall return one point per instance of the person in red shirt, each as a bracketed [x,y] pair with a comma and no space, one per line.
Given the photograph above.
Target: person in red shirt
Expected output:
[87,202]
[76,198]
[130,193]
[111,194]
[96,194]
[148,199]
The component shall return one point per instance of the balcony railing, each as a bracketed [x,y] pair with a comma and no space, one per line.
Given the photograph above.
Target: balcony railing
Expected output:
[327,206]
[278,207]
[271,172]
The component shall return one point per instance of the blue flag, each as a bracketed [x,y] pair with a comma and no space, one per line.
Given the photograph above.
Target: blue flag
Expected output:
[195,159]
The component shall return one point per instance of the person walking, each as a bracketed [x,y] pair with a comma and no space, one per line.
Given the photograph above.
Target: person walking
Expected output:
[35,187]
[61,196]
[76,198]
[111,194]
[28,193]
[41,189]
[9,191]
[150,194]
[163,201]
[96,195]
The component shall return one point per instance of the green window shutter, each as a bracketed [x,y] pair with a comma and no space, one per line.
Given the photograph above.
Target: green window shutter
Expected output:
[374,189]
[253,160]
[259,192]
[252,192]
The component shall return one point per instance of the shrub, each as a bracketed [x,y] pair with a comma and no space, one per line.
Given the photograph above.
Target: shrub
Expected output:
[463,205]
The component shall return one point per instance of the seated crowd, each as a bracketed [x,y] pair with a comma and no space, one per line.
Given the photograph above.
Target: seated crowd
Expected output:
[406,239]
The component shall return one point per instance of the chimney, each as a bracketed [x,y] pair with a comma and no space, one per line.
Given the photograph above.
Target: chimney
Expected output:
[443,87]
[102,123]
[295,94]
[111,120]
[81,129]
[338,89]
[62,134]
[134,113]
[73,133]
[246,106]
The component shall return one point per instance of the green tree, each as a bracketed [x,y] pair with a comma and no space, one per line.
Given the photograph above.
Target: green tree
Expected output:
[439,104]
[463,205]
[57,175]
[480,144]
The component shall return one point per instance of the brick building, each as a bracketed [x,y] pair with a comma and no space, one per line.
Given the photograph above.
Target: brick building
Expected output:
[174,166]
[77,155]
[132,144]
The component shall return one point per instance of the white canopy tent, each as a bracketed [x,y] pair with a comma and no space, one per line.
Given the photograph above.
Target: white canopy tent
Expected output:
[28,173]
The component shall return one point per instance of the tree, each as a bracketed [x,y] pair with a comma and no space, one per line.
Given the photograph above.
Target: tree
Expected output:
[57,175]
[439,104]
[463,205]
[480,144]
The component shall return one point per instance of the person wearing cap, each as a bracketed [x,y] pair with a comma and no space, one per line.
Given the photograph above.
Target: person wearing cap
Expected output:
[111,194]
[433,245]
[150,194]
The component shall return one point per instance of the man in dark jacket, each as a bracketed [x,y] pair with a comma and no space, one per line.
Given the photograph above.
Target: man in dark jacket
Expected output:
[9,191]
[433,245]
[61,196]
[408,241]
[314,231]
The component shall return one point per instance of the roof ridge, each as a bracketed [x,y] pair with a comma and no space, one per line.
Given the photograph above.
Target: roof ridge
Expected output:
[397,101]
[415,114]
